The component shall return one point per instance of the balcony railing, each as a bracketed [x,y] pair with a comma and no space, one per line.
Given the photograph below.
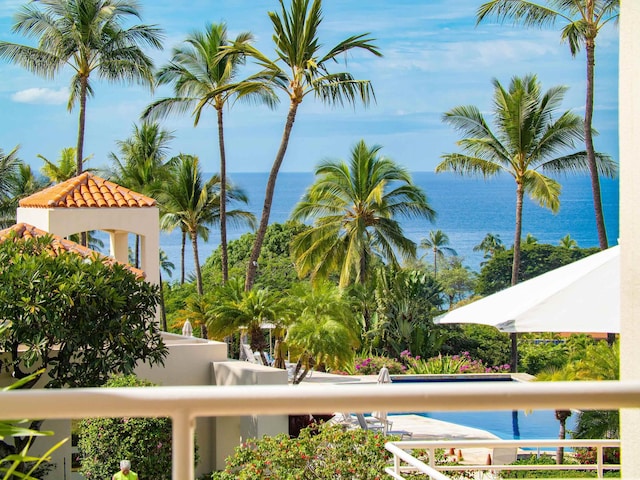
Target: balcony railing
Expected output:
[404,462]
[185,404]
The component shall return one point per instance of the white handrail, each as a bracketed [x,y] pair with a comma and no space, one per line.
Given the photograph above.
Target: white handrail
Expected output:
[399,451]
[184,404]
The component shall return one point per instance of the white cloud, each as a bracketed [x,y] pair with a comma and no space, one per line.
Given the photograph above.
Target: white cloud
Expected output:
[42,96]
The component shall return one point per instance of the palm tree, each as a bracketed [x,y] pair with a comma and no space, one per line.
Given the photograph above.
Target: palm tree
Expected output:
[583,20]
[9,166]
[356,207]
[299,70]
[526,143]
[188,202]
[202,78]
[568,242]
[167,266]
[324,328]
[141,165]
[490,244]
[530,240]
[236,308]
[437,242]
[86,35]
[64,168]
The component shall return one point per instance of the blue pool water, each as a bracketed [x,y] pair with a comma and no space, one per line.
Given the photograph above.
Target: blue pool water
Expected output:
[508,425]
[538,424]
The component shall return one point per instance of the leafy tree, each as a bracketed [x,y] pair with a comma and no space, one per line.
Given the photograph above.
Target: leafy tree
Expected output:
[583,20]
[9,164]
[190,203]
[437,242]
[146,441]
[356,207]
[21,182]
[457,280]
[79,319]
[322,327]
[536,259]
[202,77]
[529,240]
[483,342]
[276,270]
[299,70]
[86,35]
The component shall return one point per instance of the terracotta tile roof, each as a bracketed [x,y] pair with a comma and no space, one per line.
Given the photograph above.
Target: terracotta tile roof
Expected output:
[87,190]
[59,244]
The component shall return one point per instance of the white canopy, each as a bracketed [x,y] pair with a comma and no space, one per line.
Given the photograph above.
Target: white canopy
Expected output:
[583,296]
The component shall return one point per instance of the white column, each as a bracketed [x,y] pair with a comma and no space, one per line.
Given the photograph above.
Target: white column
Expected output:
[629,119]
[119,246]
[182,446]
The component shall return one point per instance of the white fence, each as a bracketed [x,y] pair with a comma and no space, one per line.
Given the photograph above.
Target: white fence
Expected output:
[184,404]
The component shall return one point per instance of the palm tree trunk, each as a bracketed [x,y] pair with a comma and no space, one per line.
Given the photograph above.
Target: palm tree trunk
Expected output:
[435,263]
[80,144]
[223,201]
[252,268]
[196,260]
[163,311]
[561,416]
[591,156]
[182,251]
[516,266]
[137,253]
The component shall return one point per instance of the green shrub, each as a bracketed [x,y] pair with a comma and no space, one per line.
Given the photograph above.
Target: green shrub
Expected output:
[103,442]
[449,364]
[333,453]
[548,460]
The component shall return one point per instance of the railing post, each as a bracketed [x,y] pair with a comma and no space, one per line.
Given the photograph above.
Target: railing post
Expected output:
[600,460]
[182,453]
[396,464]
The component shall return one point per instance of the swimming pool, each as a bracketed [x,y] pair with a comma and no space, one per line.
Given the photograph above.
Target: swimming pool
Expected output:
[508,425]
[535,425]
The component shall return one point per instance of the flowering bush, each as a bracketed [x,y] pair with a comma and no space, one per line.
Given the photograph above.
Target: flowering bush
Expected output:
[449,364]
[372,365]
[333,453]
[588,455]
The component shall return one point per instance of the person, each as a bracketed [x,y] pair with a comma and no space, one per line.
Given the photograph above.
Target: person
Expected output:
[125,472]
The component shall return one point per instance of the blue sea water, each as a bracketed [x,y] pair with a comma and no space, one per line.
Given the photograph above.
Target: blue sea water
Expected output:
[467,209]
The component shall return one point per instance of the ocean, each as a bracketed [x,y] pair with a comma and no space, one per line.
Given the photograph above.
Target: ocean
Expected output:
[466,208]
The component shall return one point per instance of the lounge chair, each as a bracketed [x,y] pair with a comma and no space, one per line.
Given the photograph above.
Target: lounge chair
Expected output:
[372,423]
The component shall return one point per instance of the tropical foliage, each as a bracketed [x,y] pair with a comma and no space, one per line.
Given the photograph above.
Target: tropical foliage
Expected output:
[583,20]
[203,77]
[332,453]
[525,143]
[88,36]
[145,441]
[300,69]
[357,207]
[437,242]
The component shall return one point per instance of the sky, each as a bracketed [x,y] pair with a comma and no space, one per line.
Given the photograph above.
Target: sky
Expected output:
[434,58]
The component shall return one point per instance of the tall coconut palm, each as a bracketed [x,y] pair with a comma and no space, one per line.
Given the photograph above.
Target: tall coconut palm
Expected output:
[190,203]
[568,242]
[203,78]
[301,69]
[357,207]
[64,168]
[88,36]
[527,142]
[583,20]
[437,242]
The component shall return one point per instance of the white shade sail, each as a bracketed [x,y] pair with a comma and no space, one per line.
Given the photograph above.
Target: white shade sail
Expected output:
[583,296]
